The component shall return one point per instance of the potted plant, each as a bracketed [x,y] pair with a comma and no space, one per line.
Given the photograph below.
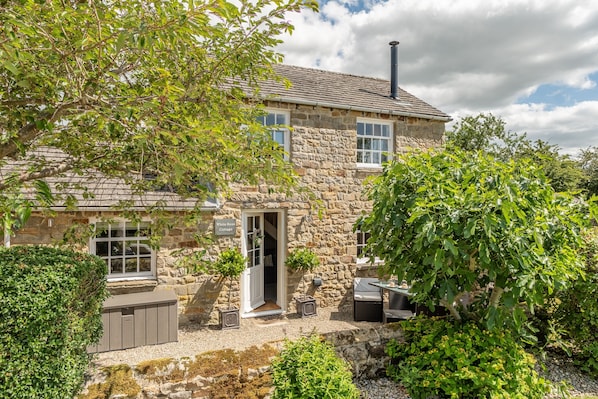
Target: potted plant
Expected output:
[303,260]
[229,265]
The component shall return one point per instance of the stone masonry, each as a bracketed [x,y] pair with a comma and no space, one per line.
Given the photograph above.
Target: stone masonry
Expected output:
[323,152]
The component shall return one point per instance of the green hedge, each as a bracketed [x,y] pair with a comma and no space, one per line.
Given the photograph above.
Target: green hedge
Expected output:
[50,311]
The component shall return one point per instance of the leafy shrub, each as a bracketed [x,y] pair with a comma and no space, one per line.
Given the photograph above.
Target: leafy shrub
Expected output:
[310,369]
[230,264]
[577,310]
[50,311]
[445,360]
[302,260]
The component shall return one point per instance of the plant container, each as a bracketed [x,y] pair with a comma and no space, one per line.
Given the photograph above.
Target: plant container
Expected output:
[229,319]
[306,306]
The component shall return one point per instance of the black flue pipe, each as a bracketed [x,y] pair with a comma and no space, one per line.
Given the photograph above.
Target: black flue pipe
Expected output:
[394,69]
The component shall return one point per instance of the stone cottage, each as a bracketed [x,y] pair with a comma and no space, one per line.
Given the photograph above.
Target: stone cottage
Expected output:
[342,128]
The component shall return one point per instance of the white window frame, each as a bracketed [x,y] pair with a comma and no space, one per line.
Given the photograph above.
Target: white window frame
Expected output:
[374,131]
[284,132]
[360,243]
[129,242]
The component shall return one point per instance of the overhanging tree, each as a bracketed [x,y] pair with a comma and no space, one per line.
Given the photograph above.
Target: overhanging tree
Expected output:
[484,238]
[139,88]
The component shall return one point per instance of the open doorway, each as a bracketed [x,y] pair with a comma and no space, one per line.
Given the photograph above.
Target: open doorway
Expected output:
[262,280]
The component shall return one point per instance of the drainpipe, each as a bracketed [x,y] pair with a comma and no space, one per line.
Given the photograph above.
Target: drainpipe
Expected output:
[394,70]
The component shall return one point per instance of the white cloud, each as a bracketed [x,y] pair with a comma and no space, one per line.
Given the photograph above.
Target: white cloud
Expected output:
[466,55]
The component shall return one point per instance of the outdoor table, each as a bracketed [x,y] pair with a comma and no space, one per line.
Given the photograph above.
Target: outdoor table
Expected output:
[399,306]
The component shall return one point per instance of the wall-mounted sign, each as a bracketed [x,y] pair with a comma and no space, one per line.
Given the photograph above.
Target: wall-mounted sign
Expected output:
[225,227]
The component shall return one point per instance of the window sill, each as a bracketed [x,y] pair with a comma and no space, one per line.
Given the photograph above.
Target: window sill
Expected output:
[368,265]
[119,287]
[364,171]
[374,167]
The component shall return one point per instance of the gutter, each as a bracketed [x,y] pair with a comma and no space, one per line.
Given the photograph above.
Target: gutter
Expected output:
[110,208]
[299,101]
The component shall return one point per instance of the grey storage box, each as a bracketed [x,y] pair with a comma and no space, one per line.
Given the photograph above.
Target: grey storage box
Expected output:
[131,320]
[367,300]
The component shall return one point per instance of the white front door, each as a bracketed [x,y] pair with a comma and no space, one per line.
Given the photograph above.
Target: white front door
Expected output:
[253,279]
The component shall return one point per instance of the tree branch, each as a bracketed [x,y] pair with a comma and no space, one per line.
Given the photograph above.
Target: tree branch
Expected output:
[495,297]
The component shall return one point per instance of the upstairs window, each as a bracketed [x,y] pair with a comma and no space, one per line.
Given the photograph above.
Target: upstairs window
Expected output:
[373,142]
[280,134]
[125,248]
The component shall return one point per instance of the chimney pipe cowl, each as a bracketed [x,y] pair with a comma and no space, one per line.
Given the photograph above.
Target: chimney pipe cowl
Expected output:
[394,69]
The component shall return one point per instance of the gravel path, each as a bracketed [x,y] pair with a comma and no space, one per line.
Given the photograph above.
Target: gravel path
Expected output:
[275,330]
[256,331]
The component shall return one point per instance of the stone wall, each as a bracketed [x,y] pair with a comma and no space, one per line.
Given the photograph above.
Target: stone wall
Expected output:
[323,151]
[226,373]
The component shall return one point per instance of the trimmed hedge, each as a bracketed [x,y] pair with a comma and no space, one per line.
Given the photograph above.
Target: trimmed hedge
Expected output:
[50,311]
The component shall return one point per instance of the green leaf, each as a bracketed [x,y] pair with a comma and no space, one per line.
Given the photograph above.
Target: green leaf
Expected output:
[11,67]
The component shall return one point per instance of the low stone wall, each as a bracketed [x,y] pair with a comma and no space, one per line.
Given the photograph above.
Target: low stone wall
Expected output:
[228,373]
[363,349]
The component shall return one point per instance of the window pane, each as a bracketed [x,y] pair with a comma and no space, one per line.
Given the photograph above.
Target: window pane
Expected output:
[376,144]
[145,264]
[141,248]
[101,232]
[359,157]
[102,248]
[377,130]
[116,266]
[386,130]
[384,145]
[131,231]
[278,136]
[280,119]
[367,157]
[376,157]
[116,248]
[115,231]
[368,129]
[270,120]
[360,129]
[131,265]
[367,144]
[384,158]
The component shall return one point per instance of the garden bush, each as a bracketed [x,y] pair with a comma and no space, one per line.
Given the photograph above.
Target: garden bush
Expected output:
[445,360]
[50,311]
[310,369]
[576,310]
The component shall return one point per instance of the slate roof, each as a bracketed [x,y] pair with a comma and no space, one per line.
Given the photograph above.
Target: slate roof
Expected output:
[309,86]
[102,193]
[344,91]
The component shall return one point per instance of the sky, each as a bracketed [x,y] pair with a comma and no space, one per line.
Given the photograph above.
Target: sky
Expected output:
[534,63]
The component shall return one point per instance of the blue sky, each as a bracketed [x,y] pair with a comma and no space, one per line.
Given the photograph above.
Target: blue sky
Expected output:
[534,63]
[562,95]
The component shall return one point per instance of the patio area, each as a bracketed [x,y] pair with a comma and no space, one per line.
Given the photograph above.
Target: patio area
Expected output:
[253,332]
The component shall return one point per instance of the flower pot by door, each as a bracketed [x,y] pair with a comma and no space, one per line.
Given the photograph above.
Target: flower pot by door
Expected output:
[229,319]
[306,306]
